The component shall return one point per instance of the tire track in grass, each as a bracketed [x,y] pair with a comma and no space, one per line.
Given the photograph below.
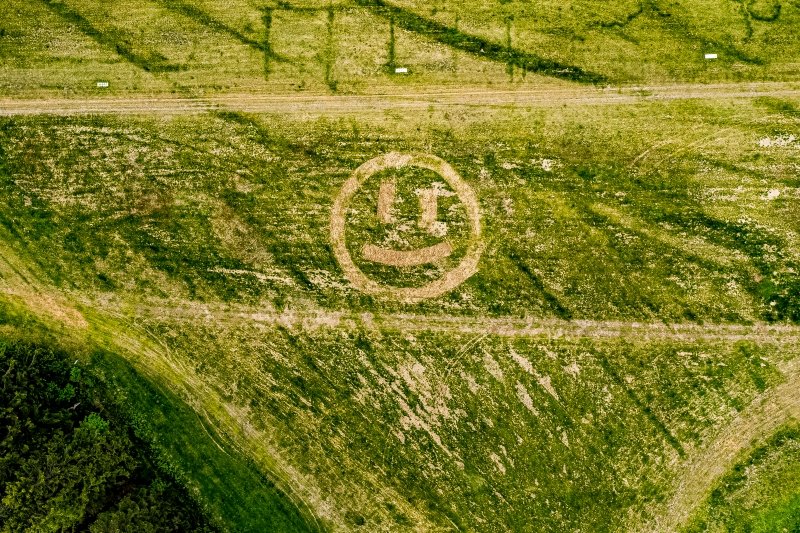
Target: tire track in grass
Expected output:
[326,104]
[120,334]
[149,354]
[698,471]
[696,475]
[310,318]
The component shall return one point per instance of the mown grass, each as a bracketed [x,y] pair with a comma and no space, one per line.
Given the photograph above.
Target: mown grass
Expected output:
[481,47]
[42,53]
[147,60]
[637,40]
[431,430]
[194,48]
[627,223]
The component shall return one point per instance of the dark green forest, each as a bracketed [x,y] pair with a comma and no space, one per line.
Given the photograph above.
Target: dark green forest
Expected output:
[70,461]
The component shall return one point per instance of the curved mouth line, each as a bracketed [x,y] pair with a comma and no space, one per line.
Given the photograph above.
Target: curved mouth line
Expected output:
[406,258]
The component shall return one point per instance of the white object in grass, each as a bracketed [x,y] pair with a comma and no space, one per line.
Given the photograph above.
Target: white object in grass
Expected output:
[711,56]
[102,84]
[401,70]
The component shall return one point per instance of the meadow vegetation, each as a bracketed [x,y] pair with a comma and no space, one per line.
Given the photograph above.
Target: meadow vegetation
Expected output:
[209,233]
[70,461]
[595,219]
[54,47]
[203,362]
[760,493]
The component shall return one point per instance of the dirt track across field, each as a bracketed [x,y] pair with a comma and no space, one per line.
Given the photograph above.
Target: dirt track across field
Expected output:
[321,104]
[312,319]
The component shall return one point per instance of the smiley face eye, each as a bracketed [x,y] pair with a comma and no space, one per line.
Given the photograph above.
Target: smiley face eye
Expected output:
[386,195]
[428,201]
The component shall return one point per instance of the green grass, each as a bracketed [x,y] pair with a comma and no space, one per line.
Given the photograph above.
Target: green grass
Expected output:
[198,249]
[43,54]
[685,232]
[760,493]
[199,47]
[437,427]
[228,486]
[192,230]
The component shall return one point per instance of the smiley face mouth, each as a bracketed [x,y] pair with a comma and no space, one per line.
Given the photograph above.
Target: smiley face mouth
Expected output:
[407,258]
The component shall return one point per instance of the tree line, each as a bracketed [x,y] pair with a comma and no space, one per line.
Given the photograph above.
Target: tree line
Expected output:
[69,461]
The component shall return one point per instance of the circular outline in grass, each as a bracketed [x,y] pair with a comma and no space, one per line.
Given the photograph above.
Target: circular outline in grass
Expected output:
[454,277]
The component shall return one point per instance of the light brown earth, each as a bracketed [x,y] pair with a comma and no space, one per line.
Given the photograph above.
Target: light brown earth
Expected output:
[406,258]
[332,104]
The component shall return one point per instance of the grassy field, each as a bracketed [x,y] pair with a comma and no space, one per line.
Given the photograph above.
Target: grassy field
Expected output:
[619,349]
[50,47]
[197,247]
[233,492]
[758,494]
[695,224]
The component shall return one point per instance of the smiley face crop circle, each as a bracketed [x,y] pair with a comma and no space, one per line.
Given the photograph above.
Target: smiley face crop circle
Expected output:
[403,259]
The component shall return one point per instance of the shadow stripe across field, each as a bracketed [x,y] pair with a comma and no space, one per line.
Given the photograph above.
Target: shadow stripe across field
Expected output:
[201,17]
[478,46]
[151,62]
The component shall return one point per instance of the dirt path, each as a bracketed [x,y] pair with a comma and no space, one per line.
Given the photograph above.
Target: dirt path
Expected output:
[698,475]
[328,104]
[311,319]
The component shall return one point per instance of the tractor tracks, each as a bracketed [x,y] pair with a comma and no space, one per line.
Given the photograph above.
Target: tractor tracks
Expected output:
[322,104]
[317,318]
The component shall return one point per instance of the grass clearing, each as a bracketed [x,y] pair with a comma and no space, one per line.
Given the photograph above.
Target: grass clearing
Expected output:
[623,355]
[759,493]
[700,241]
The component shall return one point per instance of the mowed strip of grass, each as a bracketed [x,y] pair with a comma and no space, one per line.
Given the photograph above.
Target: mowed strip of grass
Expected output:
[43,53]
[197,48]
[637,41]
[590,212]
[229,487]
